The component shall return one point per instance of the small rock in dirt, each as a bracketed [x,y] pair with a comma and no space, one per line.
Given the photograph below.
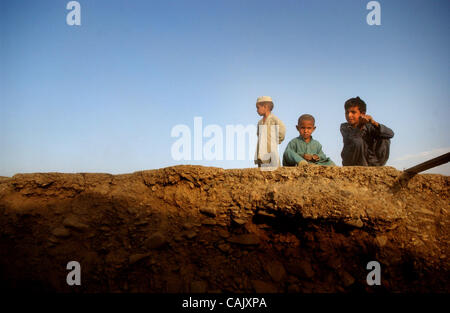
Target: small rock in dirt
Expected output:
[74,222]
[276,270]
[199,286]
[188,225]
[209,222]
[293,288]
[155,241]
[306,269]
[223,233]
[173,285]
[224,247]
[345,193]
[239,221]
[301,268]
[381,240]
[53,240]
[355,223]
[246,240]
[104,228]
[412,228]
[61,232]
[237,254]
[263,287]
[211,212]
[141,223]
[309,236]
[265,214]
[190,234]
[346,278]
[137,257]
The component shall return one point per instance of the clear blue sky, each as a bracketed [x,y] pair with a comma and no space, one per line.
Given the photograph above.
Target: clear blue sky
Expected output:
[104,96]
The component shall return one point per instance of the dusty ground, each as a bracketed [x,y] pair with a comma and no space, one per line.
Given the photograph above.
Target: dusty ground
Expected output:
[200,229]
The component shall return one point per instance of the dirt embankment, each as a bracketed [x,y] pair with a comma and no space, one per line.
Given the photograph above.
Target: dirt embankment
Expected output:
[200,229]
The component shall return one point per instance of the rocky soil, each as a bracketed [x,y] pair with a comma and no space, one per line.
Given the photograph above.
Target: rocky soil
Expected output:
[198,229]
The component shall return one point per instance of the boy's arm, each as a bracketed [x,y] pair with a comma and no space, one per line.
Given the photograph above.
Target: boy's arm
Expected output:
[290,156]
[348,136]
[320,153]
[347,133]
[281,131]
[380,129]
[385,132]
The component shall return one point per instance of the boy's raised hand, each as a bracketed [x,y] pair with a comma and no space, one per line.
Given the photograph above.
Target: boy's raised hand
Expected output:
[315,157]
[308,157]
[366,118]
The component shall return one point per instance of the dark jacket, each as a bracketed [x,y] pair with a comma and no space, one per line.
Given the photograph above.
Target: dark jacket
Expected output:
[368,146]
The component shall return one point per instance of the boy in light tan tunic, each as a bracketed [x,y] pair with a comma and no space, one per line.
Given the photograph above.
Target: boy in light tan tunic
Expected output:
[268,126]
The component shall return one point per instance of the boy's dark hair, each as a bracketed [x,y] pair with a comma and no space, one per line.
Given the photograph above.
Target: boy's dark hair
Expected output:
[306,117]
[356,102]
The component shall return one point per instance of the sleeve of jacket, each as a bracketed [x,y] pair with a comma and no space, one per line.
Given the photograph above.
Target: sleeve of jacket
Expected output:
[290,156]
[281,131]
[321,154]
[385,132]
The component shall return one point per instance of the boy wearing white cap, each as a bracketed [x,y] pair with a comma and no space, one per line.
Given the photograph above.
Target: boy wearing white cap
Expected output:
[271,132]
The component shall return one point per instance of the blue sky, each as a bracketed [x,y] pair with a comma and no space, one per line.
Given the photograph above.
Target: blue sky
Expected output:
[105,95]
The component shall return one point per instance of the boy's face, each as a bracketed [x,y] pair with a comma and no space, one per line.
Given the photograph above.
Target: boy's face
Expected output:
[262,108]
[306,128]
[352,115]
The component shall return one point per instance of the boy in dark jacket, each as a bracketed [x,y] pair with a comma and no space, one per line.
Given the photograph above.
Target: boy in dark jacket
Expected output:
[366,142]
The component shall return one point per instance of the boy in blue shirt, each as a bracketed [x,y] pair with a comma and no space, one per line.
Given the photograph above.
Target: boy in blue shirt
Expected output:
[304,149]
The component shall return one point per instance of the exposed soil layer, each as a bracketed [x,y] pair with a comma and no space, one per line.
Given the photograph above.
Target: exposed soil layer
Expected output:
[200,229]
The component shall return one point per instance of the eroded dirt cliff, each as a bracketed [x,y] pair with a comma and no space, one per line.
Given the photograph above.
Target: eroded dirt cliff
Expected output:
[202,229]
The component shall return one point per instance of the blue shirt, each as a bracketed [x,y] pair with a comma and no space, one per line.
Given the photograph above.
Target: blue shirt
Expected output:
[297,147]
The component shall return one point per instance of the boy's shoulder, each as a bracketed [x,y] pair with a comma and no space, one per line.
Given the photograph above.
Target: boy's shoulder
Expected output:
[271,119]
[348,130]
[274,117]
[315,142]
[298,141]
[295,140]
